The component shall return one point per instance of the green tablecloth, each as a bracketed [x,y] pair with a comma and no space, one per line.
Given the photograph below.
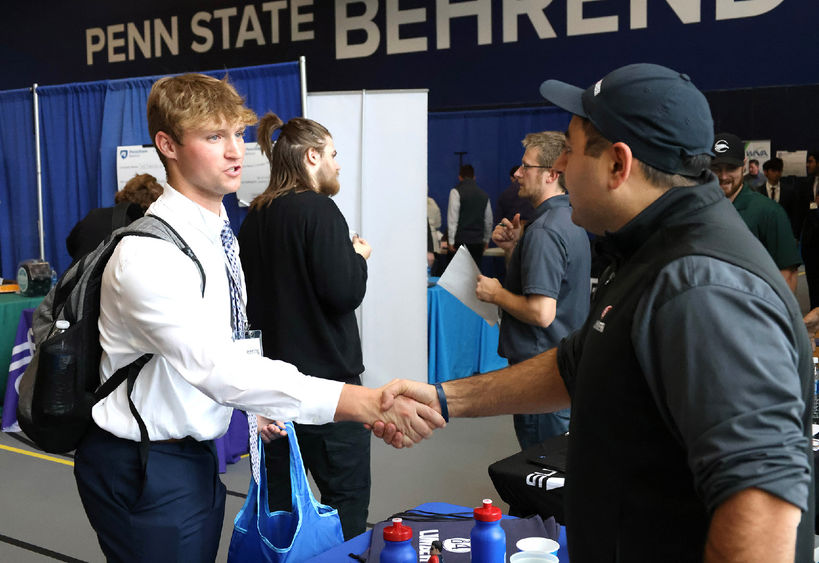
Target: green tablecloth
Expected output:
[11,305]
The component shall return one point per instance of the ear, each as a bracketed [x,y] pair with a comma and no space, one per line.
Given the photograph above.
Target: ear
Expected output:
[313,156]
[620,165]
[165,145]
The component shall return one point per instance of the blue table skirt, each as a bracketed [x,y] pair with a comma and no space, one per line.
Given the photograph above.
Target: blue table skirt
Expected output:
[461,343]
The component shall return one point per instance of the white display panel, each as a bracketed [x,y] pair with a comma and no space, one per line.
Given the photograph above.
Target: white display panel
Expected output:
[381,139]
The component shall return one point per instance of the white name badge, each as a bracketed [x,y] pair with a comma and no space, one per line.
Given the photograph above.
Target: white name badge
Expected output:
[248,341]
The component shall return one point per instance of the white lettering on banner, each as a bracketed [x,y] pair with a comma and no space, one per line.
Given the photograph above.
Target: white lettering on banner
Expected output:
[162,35]
[225,14]
[94,42]
[201,31]
[733,9]
[114,42]
[346,23]
[274,8]
[445,11]
[297,18]
[576,24]
[395,19]
[249,29]
[686,10]
[143,41]
[534,10]
[355,20]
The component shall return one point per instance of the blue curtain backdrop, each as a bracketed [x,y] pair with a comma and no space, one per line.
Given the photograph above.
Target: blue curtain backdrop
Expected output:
[82,124]
[491,140]
[18,183]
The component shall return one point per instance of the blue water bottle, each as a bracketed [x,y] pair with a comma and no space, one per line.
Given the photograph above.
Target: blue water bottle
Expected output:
[487,537]
[397,546]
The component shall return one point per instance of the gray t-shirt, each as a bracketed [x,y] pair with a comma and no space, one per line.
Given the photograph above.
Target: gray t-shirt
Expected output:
[552,258]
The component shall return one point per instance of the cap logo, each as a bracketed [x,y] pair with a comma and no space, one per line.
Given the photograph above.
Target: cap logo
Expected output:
[721,146]
[597,87]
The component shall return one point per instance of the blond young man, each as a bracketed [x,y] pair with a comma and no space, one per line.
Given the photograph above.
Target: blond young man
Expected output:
[152,302]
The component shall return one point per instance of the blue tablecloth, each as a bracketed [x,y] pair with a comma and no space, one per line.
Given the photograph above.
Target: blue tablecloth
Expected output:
[360,543]
[461,343]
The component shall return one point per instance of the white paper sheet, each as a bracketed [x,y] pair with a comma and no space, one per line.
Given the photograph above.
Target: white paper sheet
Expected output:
[461,280]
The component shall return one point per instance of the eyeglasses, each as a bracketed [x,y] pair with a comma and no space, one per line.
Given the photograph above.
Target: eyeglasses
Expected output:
[525,166]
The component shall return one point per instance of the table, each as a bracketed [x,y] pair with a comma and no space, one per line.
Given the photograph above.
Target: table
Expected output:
[360,543]
[11,306]
[461,343]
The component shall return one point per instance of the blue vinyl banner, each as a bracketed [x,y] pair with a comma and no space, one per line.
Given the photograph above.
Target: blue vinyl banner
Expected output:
[468,53]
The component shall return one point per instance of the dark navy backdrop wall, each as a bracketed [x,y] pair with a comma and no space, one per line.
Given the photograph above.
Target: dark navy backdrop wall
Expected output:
[467,52]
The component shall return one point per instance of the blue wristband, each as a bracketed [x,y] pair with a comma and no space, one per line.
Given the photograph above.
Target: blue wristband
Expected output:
[442,401]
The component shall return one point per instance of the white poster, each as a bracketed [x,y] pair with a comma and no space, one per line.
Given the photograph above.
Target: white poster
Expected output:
[143,159]
[138,159]
[759,150]
[794,162]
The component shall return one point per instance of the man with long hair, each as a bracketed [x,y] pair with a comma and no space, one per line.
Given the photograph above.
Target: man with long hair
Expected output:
[305,278]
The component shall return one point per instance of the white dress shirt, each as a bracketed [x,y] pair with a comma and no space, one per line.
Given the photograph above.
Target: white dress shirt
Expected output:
[769,187]
[151,302]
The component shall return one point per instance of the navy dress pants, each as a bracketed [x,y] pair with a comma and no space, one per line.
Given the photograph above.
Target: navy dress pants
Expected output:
[176,516]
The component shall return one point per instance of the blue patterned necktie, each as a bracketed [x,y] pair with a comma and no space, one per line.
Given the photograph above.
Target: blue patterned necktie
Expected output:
[238,319]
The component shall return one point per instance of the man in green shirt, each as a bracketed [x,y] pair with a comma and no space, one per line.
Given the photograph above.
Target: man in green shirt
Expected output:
[766,219]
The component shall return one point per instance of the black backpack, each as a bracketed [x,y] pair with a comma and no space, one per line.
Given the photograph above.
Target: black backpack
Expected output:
[62,382]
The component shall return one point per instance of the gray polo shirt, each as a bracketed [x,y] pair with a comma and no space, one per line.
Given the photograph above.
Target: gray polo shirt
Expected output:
[552,258]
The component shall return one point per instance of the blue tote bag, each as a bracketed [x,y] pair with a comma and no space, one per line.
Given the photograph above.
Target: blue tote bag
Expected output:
[309,529]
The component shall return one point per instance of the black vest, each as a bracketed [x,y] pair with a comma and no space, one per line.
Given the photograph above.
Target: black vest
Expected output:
[630,493]
[473,207]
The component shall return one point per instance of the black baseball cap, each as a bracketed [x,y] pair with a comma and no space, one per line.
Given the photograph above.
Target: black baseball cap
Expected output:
[728,149]
[656,111]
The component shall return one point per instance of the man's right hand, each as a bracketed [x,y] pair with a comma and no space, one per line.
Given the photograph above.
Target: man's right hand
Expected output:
[507,233]
[397,390]
[362,247]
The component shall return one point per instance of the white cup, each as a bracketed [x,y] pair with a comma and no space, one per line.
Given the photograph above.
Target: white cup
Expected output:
[538,544]
[533,557]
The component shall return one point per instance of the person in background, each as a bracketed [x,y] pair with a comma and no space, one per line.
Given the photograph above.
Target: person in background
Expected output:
[754,179]
[130,204]
[767,221]
[545,296]
[305,279]
[510,202]
[808,193]
[469,215]
[691,382]
[170,506]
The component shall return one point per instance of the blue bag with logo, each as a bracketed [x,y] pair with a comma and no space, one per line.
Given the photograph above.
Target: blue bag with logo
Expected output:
[307,530]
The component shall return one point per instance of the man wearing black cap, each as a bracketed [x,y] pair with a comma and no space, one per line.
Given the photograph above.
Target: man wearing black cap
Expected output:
[689,436]
[768,221]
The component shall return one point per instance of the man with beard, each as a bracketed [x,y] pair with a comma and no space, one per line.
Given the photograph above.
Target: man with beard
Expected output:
[691,380]
[305,278]
[545,296]
[767,220]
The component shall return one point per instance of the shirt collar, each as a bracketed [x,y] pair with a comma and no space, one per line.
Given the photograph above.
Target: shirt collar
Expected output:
[173,205]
